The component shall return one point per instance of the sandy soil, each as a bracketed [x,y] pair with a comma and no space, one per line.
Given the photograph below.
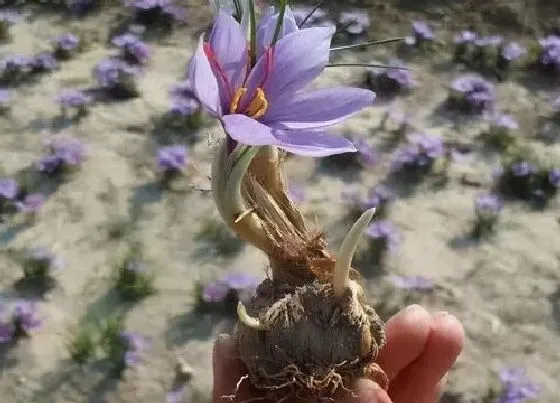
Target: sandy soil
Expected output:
[505,291]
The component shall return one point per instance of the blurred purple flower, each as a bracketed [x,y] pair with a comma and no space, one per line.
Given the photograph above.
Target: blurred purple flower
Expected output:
[165,7]
[377,196]
[517,388]
[135,344]
[522,168]
[465,37]
[554,177]
[512,51]
[354,22]
[70,99]
[391,79]
[175,395]
[44,257]
[31,203]
[418,283]
[9,17]
[240,281]
[171,158]
[44,61]
[488,41]
[111,72]
[296,192]
[386,232]
[63,152]
[366,154]
[421,32]
[134,49]
[7,331]
[24,317]
[66,42]
[502,121]
[422,150]
[16,65]
[8,188]
[183,99]
[550,52]
[488,205]
[216,291]
[477,93]
[6,97]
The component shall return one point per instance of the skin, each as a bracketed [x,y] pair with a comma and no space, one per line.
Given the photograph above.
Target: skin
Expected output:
[421,349]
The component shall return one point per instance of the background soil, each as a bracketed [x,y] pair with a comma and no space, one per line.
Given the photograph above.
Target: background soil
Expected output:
[505,291]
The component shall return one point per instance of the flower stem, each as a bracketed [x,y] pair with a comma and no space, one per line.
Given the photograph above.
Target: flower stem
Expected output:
[283,5]
[252,33]
[357,45]
[319,4]
[381,66]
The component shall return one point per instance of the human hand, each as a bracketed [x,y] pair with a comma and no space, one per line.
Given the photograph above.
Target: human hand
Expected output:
[420,350]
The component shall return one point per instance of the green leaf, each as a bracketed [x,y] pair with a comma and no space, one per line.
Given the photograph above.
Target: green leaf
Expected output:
[283,5]
[252,33]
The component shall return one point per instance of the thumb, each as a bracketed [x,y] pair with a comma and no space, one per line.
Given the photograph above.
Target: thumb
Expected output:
[366,391]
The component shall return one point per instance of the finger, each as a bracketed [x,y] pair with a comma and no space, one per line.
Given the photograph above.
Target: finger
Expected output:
[444,345]
[407,333]
[227,368]
[366,391]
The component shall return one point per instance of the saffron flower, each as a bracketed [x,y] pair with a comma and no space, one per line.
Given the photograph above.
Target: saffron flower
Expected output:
[184,102]
[171,158]
[384,238]
[44,62]
[64,153]
[421,33]
[74,100]
[487,208]
[419,155]
[500,130]
[6,97]
[66,45]
[150,12]
[390,80]
[510,53]
[354,22]
[134,50]
[31,203]
[7,19]
[230,289]
[266,104]
[216,291]
[24,319]
[379,196]
[464,45]
[8,189]
[413,283]
[549,56]
[516,387]
[117,77]
[135,344]
[16,67]
[472,94]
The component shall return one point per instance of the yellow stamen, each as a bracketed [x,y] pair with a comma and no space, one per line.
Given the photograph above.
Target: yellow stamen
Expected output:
[258,106]
[240,93]
[256,109]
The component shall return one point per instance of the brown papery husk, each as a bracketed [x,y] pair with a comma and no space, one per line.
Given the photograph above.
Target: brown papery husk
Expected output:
[314,344]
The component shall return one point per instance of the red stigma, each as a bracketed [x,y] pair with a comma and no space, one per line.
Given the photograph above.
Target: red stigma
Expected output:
[213,60]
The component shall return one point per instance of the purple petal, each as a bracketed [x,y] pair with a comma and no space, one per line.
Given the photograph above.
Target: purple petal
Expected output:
[248,131]
[296,60]
[229,45]
[320,108]
[267,27]
[203,80]
[313,144]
